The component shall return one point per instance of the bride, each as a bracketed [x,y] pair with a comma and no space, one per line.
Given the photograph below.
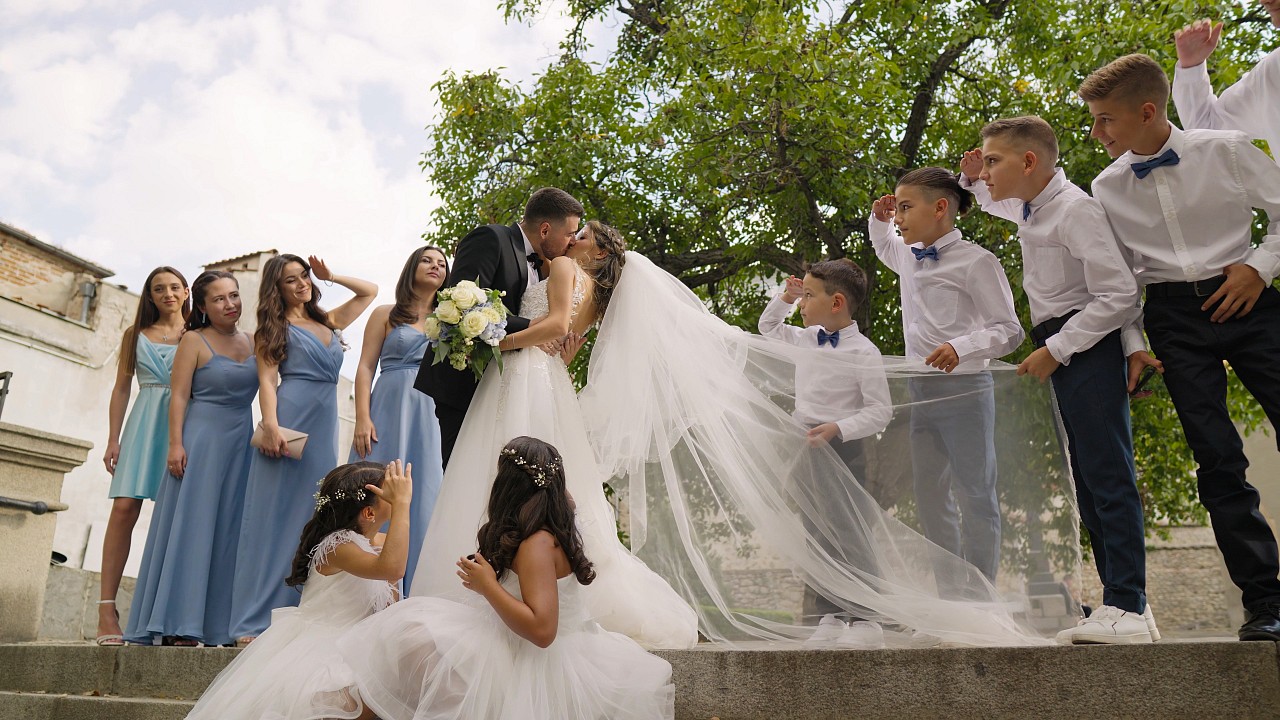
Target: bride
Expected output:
[533,395]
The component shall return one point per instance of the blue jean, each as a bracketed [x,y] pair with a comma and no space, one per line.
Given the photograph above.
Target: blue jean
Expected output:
[1094,403]
[953,459]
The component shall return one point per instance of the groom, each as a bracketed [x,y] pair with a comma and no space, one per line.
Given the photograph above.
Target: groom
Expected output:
[506,258]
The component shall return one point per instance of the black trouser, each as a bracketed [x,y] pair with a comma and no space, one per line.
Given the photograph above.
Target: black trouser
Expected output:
[842,522]
[1094,405]
[1193,349]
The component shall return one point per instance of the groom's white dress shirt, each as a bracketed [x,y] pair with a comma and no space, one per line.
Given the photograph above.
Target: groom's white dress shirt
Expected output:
[1252,105]
[534,278]
[854,395]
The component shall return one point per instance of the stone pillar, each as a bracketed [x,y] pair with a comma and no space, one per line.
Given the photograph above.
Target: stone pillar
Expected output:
[32,465]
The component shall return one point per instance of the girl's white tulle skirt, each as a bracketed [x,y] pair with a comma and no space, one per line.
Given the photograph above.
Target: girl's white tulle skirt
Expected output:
[432,658]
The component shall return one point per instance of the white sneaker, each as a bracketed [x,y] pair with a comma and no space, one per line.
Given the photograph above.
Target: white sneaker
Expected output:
[1109,626]
[1151,624]
[830,630]
[862,635]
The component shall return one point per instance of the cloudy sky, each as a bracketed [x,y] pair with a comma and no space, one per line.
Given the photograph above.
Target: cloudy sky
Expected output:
[137,133]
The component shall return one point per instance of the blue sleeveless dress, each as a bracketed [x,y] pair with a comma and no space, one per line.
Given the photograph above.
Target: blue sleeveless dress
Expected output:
[144,442]
[281,494]
[184,586]
[405,421]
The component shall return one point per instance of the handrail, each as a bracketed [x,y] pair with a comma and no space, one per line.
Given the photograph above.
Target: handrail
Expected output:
[4,388]
[36,507]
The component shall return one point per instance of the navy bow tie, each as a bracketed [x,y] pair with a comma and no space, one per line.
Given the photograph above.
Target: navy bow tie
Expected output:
[1144,168]
[536,260]
[825,337]
[929,252]
[1026,211]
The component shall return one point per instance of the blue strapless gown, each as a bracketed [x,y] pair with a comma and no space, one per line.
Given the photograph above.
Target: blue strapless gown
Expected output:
[144,442]
[405,421]
[281,494]
[184,587]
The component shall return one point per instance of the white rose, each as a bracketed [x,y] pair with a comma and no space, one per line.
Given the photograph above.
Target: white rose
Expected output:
[492,315]
[481,297]
[465,299]
[448,312]
[431,328]
[466,285]
[473,323]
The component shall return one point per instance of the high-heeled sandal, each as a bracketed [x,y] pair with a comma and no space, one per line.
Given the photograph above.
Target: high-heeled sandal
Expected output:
[110,640]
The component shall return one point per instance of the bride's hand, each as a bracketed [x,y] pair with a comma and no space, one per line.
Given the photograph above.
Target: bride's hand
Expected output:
[570,346]
[477,575]
[552,347]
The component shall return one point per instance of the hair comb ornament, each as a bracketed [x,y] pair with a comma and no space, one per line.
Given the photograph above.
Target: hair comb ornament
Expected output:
[357,495]
[539,473]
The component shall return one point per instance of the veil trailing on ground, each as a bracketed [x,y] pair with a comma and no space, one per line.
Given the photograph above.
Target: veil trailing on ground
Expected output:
[721,495]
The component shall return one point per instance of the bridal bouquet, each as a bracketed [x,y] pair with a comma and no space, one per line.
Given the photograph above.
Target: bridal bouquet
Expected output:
[467,326]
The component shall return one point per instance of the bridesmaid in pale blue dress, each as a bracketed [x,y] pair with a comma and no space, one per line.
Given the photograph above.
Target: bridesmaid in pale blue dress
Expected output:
[394,421]
[183,596]
[298,343]
[136,458]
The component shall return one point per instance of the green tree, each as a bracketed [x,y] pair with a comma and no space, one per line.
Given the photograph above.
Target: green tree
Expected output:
[735,140]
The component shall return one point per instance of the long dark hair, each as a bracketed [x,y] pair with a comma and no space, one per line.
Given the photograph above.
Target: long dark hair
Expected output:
[271,339]
[199,289]
[406,297]
[148,314]
[939,182]
[529,495]
[606,271]
[338,504]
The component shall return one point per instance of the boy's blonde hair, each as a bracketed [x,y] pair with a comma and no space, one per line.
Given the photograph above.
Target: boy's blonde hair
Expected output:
[1133,78]
[1027,132]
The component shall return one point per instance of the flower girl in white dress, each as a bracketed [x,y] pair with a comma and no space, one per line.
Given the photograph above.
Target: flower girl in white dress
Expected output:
[293,670]
[523,646]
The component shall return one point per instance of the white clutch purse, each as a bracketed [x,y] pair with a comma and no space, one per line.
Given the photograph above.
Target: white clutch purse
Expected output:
[297,441]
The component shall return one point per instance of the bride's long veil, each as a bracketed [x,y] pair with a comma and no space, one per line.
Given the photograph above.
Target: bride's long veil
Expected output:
[725,500]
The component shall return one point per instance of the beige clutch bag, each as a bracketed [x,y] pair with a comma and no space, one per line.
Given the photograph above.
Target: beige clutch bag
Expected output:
[297,441]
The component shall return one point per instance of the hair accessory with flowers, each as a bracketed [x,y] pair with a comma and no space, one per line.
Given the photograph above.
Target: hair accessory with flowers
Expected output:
[357,495]
[539,473]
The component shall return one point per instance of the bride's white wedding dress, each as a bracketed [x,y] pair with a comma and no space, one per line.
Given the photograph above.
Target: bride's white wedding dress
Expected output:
[533,395]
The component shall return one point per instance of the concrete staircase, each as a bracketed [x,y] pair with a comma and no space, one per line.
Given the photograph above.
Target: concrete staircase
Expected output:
[1202,680]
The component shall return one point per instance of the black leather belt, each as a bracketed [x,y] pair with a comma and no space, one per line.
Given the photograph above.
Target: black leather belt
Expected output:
[1198,288]
[1050,327]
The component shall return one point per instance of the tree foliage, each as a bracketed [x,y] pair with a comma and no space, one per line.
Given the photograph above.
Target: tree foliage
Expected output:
[735,140]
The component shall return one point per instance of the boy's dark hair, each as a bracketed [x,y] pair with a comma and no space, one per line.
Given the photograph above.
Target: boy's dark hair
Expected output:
[937,183]
[1027,132]
[550,204]
[841,276]
[529,495]
[1133,78]
[338,504]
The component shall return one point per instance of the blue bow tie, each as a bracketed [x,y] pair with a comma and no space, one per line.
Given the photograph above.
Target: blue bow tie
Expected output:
[1026,211]
[929,252]
[1143,169]
[825,337]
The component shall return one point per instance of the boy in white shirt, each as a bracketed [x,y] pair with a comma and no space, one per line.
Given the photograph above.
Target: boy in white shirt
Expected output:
[957,314]
[1082,292]
[841,403]
[1252,105]
[1181,204]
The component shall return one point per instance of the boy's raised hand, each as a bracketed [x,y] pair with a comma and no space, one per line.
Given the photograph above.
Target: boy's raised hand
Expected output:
[971,164]
[885,208]
[1196,42]
[793,290]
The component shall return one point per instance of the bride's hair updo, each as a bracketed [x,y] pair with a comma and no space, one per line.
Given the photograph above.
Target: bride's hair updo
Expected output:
[529,495]
[607,270]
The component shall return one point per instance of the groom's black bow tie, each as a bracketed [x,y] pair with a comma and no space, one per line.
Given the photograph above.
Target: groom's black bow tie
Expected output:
[536,260]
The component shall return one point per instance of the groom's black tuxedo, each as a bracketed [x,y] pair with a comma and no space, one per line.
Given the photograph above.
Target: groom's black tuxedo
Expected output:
[493,256]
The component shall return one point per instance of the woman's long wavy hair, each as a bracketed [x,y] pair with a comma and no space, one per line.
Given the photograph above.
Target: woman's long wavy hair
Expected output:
[148,314]
[199,318]
[345,496]
[519,507]
[406,296]
[271,339]
[606,271]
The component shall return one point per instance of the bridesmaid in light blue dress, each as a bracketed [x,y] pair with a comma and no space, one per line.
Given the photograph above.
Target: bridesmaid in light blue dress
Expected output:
[136,458]
[183,596]
[298,343]
[394,421]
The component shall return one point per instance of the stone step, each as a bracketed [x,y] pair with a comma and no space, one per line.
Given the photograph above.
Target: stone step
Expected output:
[1205,679]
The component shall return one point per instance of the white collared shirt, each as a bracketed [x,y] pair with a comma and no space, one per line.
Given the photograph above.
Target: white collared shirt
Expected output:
[1070,261]
[962,298]
[528,250]
[854,396]
[1251,106]
[1188,221]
